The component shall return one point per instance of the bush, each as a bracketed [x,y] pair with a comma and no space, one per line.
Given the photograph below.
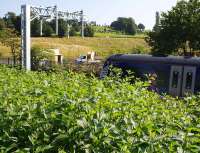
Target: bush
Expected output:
[47,30]
[41,58]
[62,28]
[70,112]
[125,25]
[89,31]
[72,32]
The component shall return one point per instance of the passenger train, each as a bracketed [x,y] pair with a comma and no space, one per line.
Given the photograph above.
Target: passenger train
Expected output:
[176,75]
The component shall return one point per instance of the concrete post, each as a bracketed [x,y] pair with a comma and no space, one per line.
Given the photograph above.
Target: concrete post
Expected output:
[82,24]
[26,38]
[68,30]
[41,27]
[56,21]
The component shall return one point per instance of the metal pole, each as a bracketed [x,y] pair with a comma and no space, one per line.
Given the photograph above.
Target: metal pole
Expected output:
[56,20]
[82,24]
[25,34]
[68,30]
[41,28]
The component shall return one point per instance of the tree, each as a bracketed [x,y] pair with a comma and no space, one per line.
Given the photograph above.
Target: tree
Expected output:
[125,25]
[141,27]
[47,29]
[179,29]
[13,22]
[88,31]
[10,19]
[35,28]
[17,24]
[62,28]
[75,24]
[8,37]
[72,31]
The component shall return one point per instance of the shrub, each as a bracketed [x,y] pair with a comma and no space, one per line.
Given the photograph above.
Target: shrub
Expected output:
[47,30]
[72,32]
[42,112]
[89,31]
[41,58]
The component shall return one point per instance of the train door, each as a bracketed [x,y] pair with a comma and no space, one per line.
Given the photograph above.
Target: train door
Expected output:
[182,80]
[175,80]
[189,77]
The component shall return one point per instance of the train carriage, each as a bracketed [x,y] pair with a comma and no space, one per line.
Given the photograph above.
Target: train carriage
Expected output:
[176,75]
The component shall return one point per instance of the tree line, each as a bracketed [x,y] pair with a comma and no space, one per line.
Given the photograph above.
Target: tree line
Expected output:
[122,24]
[13,21]
[127,26]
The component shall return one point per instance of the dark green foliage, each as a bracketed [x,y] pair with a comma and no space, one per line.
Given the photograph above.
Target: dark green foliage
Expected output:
[13,21]
[75,24]
[141,27]
[35,28]
[70,112]
[17,24]
[125,25]
[62,28]
[89,31]
[10,19]
[179,29]
[41,58]
[47,29]
[72,31]
[52,23]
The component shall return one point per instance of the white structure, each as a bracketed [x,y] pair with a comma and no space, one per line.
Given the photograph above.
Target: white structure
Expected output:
[25,36]
[58,56]
[91,56]
[29,13]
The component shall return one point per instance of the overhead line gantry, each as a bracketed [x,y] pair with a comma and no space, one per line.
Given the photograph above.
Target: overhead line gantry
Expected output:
[29,13]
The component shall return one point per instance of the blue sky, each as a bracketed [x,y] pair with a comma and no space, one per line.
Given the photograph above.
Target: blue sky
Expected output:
[102,11]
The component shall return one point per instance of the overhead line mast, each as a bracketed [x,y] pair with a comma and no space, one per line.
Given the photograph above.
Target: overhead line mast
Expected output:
[29,13]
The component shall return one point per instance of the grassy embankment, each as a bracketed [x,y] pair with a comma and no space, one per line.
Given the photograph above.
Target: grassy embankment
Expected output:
[76,46]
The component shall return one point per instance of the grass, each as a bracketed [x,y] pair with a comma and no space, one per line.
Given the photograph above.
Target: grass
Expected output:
[116,35]
[104,46]
[4,51]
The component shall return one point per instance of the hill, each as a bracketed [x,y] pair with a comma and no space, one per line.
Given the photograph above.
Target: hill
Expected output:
[75,46]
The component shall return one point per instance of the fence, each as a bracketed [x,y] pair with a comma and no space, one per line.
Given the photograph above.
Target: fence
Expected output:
[8,61]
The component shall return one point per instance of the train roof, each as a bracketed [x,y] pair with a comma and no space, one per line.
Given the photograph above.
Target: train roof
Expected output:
[186,60]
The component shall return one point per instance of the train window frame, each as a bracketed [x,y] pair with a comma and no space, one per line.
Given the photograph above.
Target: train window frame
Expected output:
[189,80]
[175,81]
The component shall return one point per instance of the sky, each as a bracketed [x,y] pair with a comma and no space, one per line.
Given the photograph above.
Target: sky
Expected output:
[102,11]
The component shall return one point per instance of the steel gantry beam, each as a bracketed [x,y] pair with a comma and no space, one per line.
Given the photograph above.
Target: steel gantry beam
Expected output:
[29,13]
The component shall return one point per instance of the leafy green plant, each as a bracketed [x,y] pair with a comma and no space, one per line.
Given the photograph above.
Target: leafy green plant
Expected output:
[41,59]
[69,112]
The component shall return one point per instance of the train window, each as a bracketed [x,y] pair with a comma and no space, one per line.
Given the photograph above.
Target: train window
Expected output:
[175,79]
[189,78]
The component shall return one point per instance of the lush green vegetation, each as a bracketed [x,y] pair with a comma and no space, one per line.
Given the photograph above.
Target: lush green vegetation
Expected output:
[8,38]
[76,46]
[125,25]
[70,112]
[104,47]
[178,31]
